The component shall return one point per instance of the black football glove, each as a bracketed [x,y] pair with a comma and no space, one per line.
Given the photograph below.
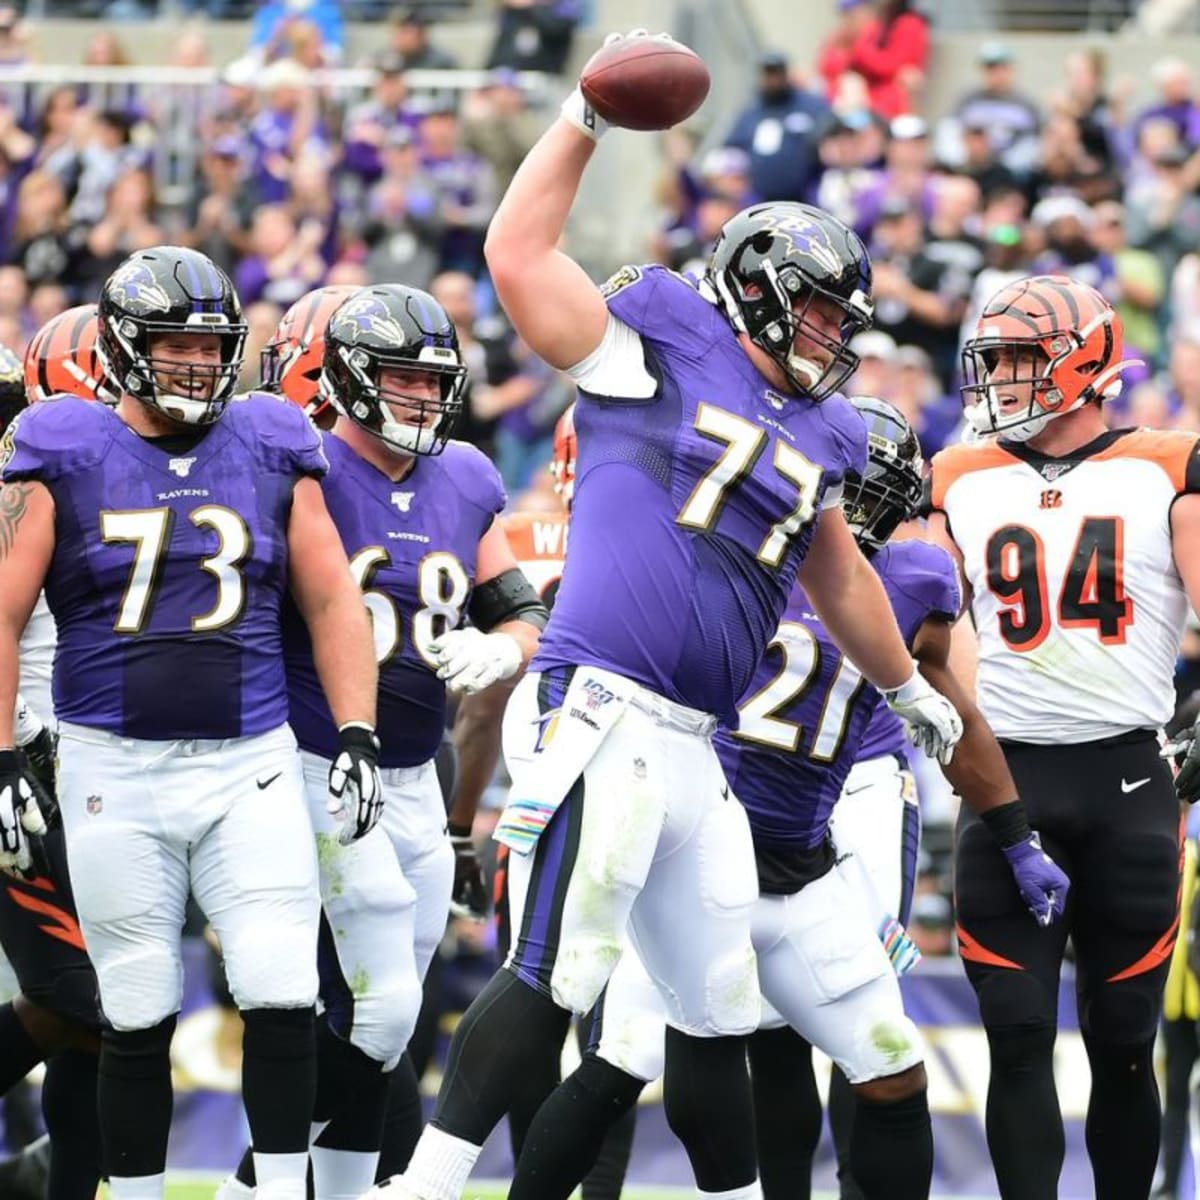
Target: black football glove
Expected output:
[469,896]
[355,788]
[1184,750]
[41,756]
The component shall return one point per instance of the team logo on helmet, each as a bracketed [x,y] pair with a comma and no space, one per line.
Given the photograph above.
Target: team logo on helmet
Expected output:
[804,236]
[367,315]
[134,288]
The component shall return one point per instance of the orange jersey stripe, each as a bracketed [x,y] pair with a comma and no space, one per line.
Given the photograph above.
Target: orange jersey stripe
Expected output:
[971,950]
[1171,449]
[64,926]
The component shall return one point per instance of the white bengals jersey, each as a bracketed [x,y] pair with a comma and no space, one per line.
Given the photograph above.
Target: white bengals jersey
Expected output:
[539,541]
[1077,604]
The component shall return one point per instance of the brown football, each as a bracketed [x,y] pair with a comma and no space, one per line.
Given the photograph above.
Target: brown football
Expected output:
[644,82]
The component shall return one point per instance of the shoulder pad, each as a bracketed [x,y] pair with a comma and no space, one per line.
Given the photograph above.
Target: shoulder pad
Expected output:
[54,438]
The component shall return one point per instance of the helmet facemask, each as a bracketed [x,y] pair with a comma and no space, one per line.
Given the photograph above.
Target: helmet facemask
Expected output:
[773,308]
[355,389]
[877,502]
[201,390]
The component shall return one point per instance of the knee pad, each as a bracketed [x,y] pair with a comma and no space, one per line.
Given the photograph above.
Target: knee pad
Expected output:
[273,967]
[886,1047]
[1013,1000]
[140,987]
[137,1053]
[278,1033]
[1121,1014]
[582,969]
[384,1020]
[732,1004]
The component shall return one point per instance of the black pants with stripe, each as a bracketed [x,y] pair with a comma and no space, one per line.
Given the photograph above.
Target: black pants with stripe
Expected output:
[1108,815]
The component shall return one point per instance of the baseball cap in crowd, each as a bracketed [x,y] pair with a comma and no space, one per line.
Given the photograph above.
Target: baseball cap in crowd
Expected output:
[241,72]
[894,207]
[913,357]
[725,160]
[228,145]
[874,343]
[1060,208]
[995,54]
[908,128]
[932,910]
[773,60]
[390,63]
[1172,156]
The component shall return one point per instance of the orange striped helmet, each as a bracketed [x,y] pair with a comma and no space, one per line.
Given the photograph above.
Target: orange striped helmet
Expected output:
[61,357]
[562,465]
[1050,336]
[291,360]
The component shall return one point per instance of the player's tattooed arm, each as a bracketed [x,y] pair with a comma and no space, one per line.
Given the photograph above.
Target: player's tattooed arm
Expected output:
[26,547]
[14,503]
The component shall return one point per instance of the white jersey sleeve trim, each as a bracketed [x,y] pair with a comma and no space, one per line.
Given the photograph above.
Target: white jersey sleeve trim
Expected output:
[617,367]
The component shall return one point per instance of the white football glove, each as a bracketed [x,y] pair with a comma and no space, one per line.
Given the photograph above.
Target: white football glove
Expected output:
[579,112]
[469,660]
[933,722]
[355,788]
[20,813]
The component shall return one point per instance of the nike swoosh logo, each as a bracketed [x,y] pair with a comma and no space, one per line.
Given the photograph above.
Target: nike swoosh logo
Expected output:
[1133,787]
[264,784]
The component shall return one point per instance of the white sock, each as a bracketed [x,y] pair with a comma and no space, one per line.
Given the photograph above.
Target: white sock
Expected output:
[281,1176]
[441,1165]
[138,1187]
[752,1191]
[342,1174]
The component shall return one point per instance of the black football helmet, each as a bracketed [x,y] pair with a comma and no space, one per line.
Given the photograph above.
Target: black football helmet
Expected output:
[391,325]
[890,492]
[769,265]
[12,387]
[168,289]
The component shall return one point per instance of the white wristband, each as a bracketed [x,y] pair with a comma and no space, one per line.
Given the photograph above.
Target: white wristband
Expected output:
[583,116]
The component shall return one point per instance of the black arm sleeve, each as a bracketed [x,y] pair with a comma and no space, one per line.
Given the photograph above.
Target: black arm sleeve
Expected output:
[507,597]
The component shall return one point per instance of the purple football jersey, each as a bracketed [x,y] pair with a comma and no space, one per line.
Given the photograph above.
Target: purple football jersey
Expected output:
[804,717]
[412,547]
[169,568]
[693,509]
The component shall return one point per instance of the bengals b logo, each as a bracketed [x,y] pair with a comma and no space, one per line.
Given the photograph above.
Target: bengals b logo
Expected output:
[1051,498]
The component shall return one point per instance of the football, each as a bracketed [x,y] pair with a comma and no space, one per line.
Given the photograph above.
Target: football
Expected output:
[644,82]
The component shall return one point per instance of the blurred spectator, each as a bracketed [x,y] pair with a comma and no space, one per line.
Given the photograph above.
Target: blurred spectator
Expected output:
[14,292]
[465,191]
[979,159]
[368,123]
[1006,258]
[905,175]
[104,154]
[887,44]
[262,319]
[689,247]
[1177,103]
[1012,119]
[312,201]
[931,923]
[104,49]
[850,150]
[408,41]
[1165,219]
[274,21]
[402,226]
[1085,101]
[1148,407]
[284,262]
[1185,299]
[1136,285]
[534,35]
[39,237]
[287,124]
[876,372]
[1184,382]
[127,224]
[14,43]
[190,50]
[933,412]
[55,133]
[225,207]
[1062,164]
[920,297]
[1065,224]
[497,125]
[779,132]
[45,301]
